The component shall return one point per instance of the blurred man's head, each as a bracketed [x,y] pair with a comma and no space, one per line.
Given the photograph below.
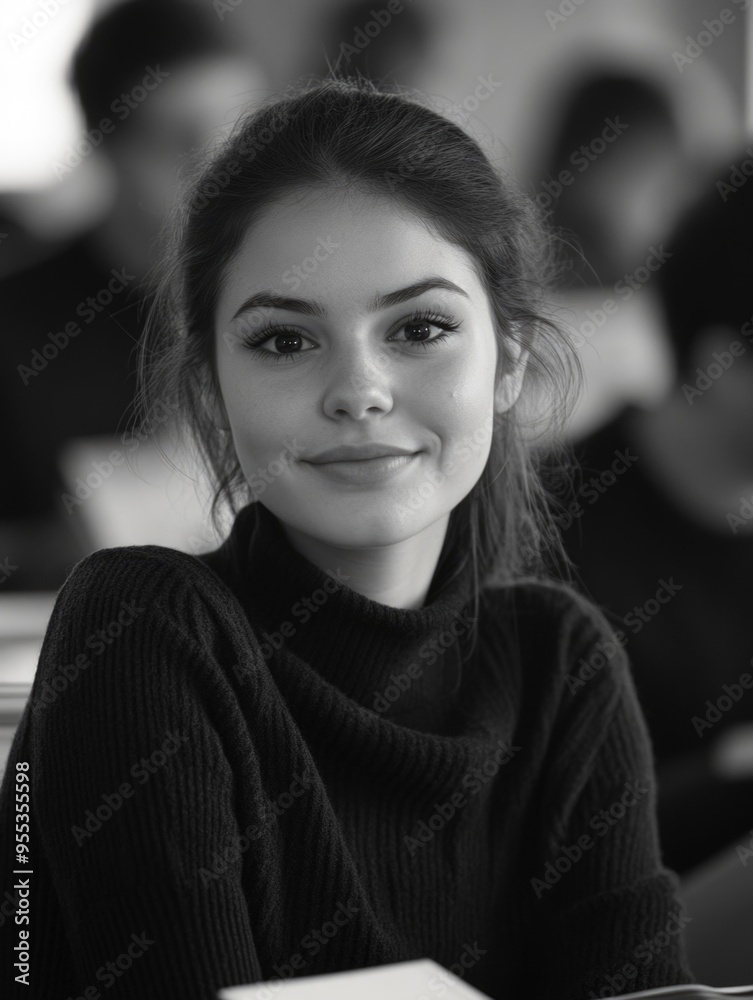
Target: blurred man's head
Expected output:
[388,48]
[707,290]
[164,79]
[619,148]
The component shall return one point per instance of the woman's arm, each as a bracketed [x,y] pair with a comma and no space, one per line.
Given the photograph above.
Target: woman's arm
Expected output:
[132,789]
[606,910]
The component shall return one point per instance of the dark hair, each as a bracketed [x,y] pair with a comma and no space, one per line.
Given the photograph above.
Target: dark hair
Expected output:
[707,280]
[121,45]
[345,131]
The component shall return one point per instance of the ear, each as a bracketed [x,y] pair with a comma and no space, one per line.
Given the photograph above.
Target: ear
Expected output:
[513,370]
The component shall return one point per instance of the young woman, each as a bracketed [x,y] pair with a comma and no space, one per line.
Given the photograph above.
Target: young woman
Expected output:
[366,728]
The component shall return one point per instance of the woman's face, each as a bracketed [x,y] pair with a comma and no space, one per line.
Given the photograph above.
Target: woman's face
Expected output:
[345,322]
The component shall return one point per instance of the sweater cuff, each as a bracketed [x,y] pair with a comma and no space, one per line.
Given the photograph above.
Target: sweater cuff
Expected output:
[625,940]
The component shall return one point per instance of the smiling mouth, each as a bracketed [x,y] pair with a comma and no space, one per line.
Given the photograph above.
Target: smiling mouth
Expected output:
[359,452]
[365,470]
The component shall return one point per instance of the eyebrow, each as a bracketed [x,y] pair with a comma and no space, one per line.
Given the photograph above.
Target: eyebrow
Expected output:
[271,300]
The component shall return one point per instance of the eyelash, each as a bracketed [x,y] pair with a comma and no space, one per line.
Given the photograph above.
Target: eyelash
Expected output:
[433,318]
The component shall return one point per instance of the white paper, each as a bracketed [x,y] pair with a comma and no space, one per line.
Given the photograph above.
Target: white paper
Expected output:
[423,979]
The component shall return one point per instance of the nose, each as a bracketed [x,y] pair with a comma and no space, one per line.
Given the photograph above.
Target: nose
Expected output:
[359,384]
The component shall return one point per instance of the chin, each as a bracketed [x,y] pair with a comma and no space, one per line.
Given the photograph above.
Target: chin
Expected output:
[364,524]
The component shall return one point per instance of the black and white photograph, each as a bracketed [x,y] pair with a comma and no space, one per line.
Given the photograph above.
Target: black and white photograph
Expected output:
[376,499]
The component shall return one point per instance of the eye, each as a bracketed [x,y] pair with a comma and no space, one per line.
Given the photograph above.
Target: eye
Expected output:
[418,329]
[286,340]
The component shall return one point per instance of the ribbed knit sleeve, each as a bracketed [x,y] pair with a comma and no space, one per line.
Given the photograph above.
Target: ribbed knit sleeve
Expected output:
[609,916]
[132,788]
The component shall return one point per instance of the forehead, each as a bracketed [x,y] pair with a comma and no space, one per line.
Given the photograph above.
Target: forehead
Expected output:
[342,246]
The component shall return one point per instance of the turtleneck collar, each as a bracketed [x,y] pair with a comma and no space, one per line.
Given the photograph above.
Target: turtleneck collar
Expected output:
[403,663]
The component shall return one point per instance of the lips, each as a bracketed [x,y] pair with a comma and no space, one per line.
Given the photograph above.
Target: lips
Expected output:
[364,472]
[358,453]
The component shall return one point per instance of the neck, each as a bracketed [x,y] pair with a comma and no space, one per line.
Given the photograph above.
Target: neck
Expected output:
[398,575]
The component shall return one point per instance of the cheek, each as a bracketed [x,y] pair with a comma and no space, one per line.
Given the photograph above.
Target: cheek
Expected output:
[262,419]
[464,394]
[467,412]
[462,416]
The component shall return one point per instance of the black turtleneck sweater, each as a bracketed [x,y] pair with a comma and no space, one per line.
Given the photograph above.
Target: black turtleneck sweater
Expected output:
[242,769]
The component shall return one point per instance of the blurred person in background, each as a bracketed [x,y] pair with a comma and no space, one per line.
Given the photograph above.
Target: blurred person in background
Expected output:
[156,81]
[392,50]
[614,181]
[18,248]
[661,530]
[619,131]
